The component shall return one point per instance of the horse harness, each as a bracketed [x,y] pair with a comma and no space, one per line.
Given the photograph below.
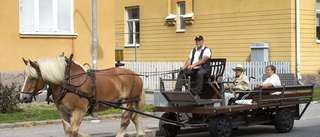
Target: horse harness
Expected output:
[92,98]
[35,88]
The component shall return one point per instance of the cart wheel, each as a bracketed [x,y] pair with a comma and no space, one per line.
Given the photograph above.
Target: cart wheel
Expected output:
[169,130]
[283,121]
[220,126]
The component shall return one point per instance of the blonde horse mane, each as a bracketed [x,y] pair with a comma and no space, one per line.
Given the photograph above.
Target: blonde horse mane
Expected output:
[52,69]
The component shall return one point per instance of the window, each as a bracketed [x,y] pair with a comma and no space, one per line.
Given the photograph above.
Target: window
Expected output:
[133,27]
[318,21]
[46,17]
[182,23]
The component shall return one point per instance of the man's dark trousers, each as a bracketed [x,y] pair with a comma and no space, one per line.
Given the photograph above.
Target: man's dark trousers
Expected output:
[199,82]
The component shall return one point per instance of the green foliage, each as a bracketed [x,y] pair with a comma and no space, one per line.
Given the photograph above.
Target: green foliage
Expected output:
[316,94]
[9,98]
[29,112]
[148,108]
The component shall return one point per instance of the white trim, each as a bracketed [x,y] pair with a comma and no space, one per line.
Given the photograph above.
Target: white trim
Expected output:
[171,17]
[189,15]
[181,31]
[131,45]
[133,28]
[47,33]
[318,41]
[181,16]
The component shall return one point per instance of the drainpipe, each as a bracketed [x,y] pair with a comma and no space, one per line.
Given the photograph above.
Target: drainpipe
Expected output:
[298,40]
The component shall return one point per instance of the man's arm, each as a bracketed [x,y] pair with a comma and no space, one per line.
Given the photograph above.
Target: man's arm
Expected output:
[186,64]
[203,60]
[265,85]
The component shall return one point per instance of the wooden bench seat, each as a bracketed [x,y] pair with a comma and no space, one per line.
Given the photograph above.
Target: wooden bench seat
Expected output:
[302,94]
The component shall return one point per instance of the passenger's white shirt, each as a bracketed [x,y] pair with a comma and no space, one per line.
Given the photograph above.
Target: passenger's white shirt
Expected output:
[274,80]
[206,52]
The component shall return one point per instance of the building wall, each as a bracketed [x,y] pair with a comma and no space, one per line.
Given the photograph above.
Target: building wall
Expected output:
[309,48]
[15,46]
[229,27]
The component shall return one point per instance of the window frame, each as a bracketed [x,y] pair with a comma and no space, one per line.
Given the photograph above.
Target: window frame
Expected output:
[36,15]
[134,21]
[180,17]
[317,20]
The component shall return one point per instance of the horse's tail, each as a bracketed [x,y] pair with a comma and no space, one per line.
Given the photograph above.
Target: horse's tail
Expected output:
[140,104]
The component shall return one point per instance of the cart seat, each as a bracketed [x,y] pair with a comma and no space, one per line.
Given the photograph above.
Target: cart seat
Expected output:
[217,69]
[186,98]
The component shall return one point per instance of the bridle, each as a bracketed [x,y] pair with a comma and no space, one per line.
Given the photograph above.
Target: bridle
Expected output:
[35,88]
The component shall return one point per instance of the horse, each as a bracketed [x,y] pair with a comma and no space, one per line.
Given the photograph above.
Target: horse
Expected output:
[112,85]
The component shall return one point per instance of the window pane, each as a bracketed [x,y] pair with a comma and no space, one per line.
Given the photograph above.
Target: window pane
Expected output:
[130,32]
[318,19]
[64,15]
[45,15]
[318,28]
[137,25]
[182,23]
[133,13]
[182,9]
[26,15]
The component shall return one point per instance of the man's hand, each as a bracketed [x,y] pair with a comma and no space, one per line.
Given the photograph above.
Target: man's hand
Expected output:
[258,85]
[227,87]
[183,68]
[191,67]
[233,87]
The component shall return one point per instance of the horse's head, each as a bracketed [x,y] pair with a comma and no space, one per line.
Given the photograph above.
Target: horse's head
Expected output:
[33,81]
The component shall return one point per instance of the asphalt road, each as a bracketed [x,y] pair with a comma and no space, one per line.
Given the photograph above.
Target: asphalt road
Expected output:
[308,126]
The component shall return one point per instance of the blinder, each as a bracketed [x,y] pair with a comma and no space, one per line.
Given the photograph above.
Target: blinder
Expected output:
[35,89]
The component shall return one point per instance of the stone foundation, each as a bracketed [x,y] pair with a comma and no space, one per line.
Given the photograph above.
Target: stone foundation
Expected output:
[310,78]
[9,77]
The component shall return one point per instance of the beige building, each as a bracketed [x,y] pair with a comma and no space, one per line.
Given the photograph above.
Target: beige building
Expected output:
[35,29]
[164,30]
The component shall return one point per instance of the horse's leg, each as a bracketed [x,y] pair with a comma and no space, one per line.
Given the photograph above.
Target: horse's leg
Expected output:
[125,121]
[65,118]
[135,117]
[77,118]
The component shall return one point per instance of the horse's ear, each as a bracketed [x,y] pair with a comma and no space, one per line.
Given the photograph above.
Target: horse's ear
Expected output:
[25,61]
[34,65]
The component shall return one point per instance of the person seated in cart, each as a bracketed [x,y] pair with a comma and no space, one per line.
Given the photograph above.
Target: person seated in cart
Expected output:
[273,80]
[242,83]
[197,64]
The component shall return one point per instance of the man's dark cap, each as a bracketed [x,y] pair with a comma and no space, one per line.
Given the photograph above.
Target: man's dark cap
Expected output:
[199,37]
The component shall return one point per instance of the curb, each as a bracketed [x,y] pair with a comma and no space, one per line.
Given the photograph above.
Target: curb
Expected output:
[149,132]
[56,121]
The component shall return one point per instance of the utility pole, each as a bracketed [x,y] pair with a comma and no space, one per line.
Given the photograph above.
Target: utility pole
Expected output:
[94,46]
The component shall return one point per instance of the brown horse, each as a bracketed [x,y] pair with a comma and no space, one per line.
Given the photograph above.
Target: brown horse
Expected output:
[113,85]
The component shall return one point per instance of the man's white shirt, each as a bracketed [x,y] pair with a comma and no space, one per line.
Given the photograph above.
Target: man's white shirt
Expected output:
[274,80]
[206,52]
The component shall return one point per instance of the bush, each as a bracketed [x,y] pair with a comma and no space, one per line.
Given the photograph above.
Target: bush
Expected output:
[9,99]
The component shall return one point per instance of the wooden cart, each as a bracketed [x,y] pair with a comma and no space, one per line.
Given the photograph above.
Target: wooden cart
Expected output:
[211,112]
